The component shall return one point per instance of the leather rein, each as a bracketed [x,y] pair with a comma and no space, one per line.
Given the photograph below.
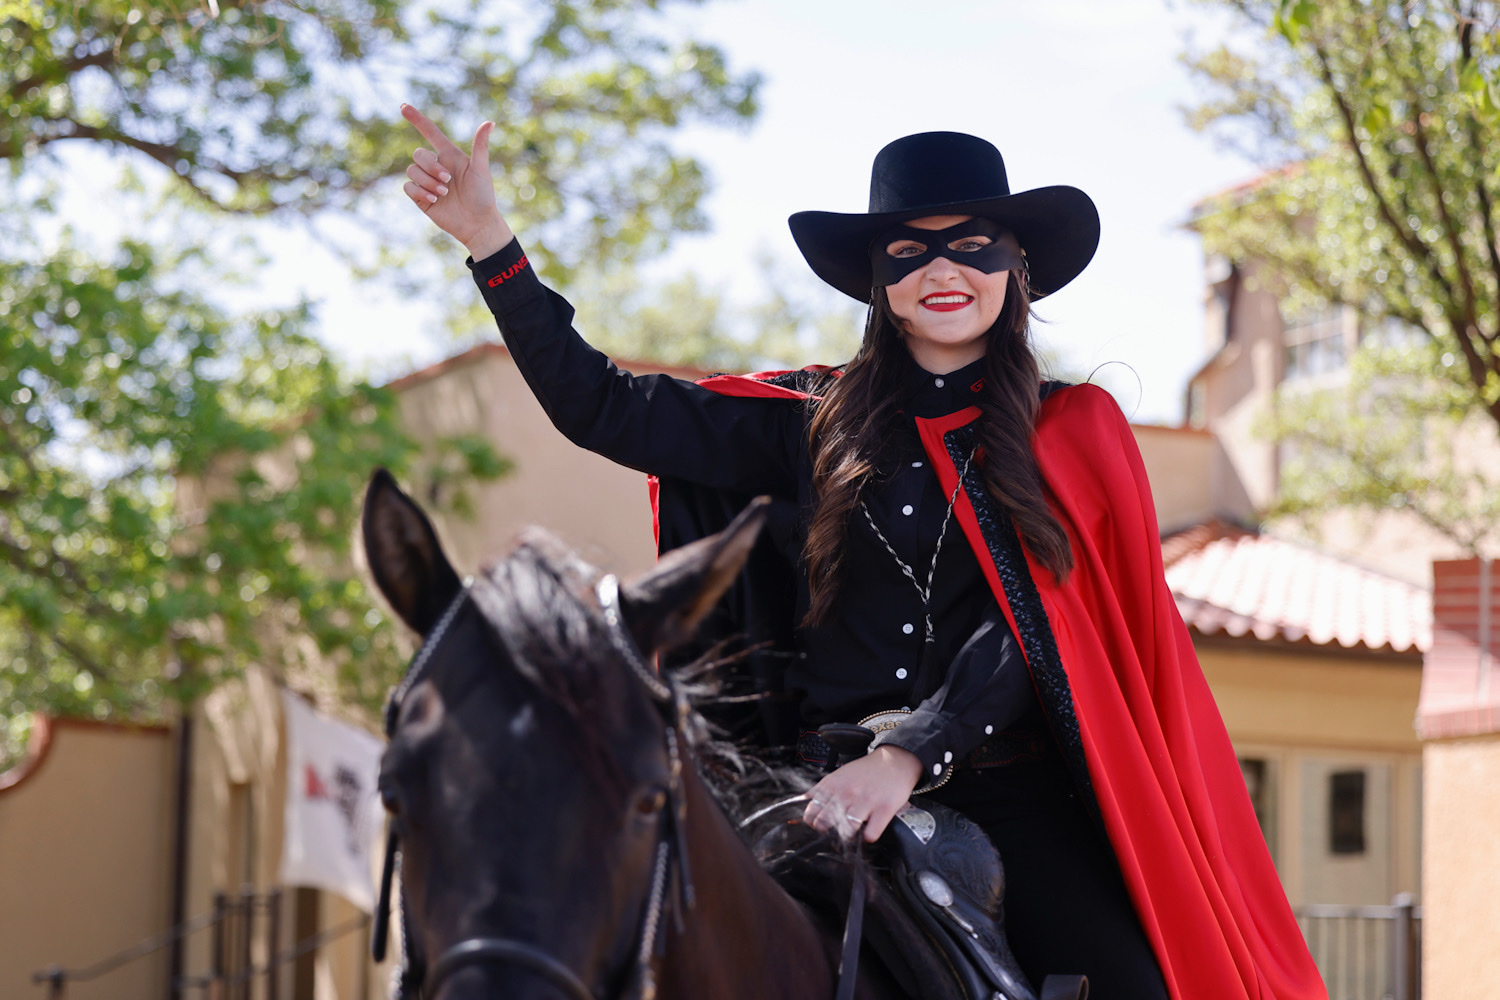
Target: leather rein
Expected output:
[417,979]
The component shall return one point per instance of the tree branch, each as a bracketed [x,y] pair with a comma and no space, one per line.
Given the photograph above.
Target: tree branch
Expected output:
[17,557]
[1410,240]
[1468,328]
[84,659]
[67,70]
[1450,227]
[1486,204]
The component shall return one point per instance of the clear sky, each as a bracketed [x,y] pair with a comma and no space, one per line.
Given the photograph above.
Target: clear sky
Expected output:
[1081,92]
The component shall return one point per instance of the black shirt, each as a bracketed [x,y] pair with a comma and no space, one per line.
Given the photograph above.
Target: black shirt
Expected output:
[871,655]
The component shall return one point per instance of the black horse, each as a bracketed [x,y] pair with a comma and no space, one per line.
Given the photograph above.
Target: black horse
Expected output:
[558,837]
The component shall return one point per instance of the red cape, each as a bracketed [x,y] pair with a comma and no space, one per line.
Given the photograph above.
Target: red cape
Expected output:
[1164,773]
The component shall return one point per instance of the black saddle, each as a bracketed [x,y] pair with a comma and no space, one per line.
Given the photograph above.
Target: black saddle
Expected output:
[947,872]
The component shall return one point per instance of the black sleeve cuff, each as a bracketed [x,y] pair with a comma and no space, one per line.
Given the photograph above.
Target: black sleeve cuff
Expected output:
[925,734]
[987,688]
[506,278]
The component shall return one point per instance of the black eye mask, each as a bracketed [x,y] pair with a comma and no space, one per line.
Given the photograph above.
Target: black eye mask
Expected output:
[1002,253]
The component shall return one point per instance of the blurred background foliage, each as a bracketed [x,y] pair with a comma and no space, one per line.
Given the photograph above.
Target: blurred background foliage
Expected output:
[181,464]
[1378,128]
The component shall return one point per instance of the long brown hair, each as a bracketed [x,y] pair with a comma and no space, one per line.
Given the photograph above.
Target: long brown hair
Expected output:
[854,423]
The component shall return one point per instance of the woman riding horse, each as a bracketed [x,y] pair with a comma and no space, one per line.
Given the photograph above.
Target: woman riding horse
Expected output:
[974,561]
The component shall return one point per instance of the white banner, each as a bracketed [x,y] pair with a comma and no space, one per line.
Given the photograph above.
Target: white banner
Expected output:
[333,812]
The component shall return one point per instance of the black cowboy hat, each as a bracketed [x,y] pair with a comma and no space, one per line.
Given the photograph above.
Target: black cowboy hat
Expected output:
[950,173]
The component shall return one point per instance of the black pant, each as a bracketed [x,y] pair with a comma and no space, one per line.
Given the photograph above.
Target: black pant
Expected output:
[1067,910]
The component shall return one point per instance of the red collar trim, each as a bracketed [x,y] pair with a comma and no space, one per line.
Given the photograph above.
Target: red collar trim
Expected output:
[942,425]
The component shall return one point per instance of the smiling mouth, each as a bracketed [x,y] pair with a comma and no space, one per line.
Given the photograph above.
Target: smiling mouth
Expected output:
[946,301]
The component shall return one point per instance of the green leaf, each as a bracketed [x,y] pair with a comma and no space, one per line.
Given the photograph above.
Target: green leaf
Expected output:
[1292,16]
[29,12]
[1471,78]
[1376,118]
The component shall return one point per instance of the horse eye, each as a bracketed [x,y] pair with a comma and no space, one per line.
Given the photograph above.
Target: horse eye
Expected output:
[390,799]
[652,802]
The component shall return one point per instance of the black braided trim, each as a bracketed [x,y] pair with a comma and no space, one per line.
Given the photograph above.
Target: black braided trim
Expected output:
[1034,632]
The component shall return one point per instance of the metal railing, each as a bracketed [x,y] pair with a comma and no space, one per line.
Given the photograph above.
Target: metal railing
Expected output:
[1366,952]
[233,972]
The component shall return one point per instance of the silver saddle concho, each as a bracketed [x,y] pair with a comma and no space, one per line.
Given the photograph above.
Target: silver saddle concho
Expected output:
[948,872]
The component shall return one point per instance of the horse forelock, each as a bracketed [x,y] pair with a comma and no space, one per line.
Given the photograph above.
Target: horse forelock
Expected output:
[540,602]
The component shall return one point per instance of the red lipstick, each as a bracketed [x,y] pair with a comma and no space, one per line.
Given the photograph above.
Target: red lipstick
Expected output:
[946,301]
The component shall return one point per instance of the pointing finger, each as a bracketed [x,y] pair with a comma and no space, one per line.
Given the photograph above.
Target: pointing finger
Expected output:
[428,130]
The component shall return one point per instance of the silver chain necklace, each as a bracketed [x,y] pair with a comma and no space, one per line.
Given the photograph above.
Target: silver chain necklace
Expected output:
[924,592]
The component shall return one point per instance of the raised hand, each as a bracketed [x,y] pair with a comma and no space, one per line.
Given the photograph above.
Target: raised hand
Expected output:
[454,189]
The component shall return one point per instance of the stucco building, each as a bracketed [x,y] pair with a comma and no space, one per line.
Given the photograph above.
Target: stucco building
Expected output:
[1256,350]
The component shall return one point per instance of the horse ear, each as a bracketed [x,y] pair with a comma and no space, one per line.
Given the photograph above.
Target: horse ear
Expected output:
[404,555]
[664,605]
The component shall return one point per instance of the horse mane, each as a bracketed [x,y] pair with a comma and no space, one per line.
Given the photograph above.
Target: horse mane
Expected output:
[533,602]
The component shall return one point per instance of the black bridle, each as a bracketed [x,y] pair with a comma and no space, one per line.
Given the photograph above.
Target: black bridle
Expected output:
[417,979]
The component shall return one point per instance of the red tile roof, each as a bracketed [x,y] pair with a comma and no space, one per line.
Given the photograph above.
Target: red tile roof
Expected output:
[1232,581]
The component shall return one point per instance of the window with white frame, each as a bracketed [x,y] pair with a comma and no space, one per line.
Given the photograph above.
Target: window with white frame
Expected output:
[1314,343]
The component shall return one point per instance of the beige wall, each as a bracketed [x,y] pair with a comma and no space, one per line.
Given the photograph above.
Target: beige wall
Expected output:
[85,852]
[1192,478]
[600,508]
[85,841]
[1234,392]
[1308,715]
[1461,869]
[1234,388]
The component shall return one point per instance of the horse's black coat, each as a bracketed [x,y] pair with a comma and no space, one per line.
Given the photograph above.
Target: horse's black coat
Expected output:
[529,737]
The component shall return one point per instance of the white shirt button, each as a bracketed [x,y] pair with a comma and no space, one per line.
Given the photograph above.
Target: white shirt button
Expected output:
[908,628]
[900,673]
[937,769]
[948,757]
[916,465]
[938,382]
[988,730]
[906,510]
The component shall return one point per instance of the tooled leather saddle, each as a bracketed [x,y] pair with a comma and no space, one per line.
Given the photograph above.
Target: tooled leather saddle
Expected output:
[948,874]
